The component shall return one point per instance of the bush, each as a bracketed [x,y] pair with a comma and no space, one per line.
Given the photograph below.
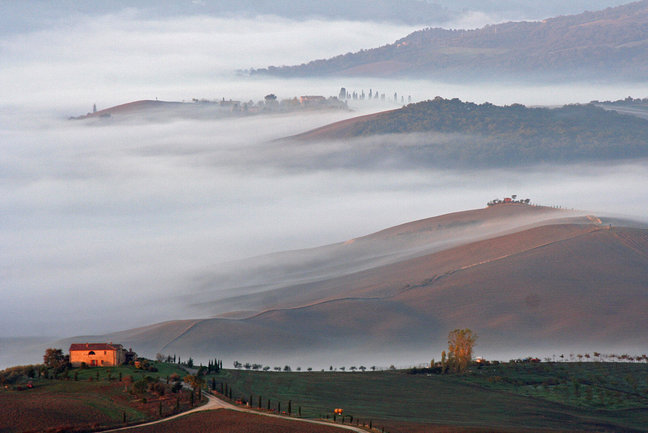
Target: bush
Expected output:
[140,386]
[17,374]
[158,388]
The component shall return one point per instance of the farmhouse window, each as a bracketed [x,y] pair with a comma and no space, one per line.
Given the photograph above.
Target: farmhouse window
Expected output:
[91,352]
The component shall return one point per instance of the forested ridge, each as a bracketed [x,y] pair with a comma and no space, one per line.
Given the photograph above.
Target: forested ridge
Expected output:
[503,135]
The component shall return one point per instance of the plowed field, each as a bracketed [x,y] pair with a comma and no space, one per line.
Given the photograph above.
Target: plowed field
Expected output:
[227,421]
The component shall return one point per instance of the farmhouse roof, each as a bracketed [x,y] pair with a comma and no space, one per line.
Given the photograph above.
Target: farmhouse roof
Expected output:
[95,346]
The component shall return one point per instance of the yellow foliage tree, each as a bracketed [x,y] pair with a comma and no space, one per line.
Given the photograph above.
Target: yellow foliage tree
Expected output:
[460,347]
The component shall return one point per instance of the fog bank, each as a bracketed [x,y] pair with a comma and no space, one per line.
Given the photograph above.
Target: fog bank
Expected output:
[102,227]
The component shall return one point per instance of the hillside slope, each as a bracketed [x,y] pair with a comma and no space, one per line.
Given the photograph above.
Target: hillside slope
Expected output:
[450,132]
[295,278]
[157,110]
[563,283]
[610,43]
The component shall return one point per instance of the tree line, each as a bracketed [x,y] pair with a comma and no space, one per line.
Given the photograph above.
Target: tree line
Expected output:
[490,135]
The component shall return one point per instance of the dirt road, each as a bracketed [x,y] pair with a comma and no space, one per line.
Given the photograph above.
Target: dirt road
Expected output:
[215,403]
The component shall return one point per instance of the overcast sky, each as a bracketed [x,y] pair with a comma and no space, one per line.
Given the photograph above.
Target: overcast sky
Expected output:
[102,226]
[20,15]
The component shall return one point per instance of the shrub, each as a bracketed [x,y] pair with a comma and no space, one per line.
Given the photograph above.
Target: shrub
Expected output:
[158,388]
[140,386]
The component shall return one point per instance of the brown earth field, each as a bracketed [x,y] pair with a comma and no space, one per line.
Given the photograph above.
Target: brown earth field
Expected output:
[557,284]
[562,283]
[342,129]
[69,406]
[133,107]
[228,421]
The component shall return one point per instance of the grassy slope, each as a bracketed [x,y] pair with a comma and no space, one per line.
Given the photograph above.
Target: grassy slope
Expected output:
[507,397]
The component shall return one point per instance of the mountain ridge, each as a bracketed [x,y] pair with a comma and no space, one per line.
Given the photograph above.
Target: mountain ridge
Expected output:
[610,43]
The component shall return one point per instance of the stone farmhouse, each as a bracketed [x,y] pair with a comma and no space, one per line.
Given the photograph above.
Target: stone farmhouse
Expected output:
[98,354]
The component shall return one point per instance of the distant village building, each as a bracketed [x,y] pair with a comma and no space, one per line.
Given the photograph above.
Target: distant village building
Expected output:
[232,105]
[312,100]
[98,354]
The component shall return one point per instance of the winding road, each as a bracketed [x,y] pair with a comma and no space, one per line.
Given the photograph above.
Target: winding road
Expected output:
[215,403]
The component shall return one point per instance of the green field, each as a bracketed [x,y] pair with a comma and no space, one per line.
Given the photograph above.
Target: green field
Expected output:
[593,396]
[106,373]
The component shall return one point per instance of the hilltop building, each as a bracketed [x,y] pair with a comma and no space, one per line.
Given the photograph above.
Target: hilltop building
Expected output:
[99,354]
[508,200]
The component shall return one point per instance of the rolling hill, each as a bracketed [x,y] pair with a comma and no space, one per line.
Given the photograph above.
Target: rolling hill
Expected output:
[450,132]
[147,109]
[554,280]
[611,43]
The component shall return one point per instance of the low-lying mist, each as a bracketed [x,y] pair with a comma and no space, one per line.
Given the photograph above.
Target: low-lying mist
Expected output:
[111,225]
[119,220]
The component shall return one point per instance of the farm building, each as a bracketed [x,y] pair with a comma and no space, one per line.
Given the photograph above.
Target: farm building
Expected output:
[97,354]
